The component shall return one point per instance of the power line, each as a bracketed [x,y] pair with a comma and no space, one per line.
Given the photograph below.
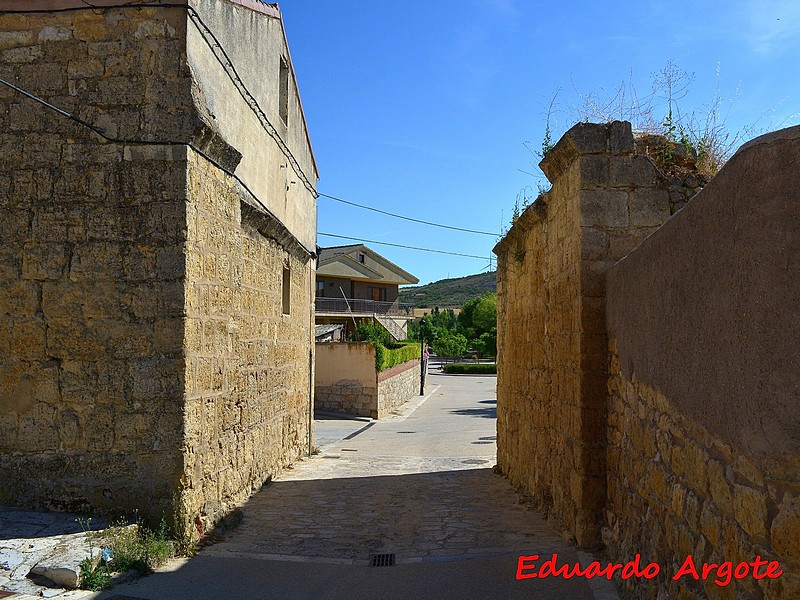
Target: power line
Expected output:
[101,132]
[396,216]
[224,60]
[347,237]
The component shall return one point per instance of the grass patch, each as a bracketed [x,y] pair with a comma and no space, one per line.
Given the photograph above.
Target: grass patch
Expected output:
[471,369]
[137,547]
[94,578]
[124,547]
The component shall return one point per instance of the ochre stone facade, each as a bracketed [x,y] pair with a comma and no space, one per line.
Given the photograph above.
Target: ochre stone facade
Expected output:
[606,198]
[703,440]
[647,366]
[247,363]
[146,360]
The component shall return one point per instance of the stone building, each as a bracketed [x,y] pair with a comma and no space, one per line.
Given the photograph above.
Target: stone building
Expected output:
[156,256]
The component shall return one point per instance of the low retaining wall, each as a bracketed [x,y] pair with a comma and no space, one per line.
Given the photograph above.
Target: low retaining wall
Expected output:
[396,386]
[347,396]
[346,381]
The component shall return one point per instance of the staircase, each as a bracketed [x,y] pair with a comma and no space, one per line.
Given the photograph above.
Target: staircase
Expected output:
[396,331]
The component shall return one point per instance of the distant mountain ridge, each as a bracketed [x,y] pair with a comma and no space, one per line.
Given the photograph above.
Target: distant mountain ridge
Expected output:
[449,293]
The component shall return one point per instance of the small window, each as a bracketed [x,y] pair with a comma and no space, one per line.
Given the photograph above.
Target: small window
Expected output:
[361,258]
[287,285]
[283,98]
[321,289]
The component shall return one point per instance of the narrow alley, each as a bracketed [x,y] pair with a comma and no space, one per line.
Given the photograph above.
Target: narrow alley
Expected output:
[416,490]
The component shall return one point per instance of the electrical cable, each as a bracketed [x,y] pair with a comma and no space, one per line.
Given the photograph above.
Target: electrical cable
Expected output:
[396,216]
[229,68]
[347,237]
[101,132]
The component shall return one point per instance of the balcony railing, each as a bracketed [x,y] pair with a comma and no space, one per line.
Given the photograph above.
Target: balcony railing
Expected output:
[357,306]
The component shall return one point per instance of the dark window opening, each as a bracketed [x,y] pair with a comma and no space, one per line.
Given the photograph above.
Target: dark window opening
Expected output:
[283,98]
[286,288]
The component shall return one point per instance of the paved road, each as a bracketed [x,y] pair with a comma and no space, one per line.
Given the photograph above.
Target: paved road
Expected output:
[418,486]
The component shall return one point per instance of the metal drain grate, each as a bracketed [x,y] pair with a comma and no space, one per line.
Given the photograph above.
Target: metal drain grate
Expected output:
[381,560]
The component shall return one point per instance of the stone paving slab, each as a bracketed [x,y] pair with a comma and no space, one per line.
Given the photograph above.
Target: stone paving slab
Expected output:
[417,508]
[53,544]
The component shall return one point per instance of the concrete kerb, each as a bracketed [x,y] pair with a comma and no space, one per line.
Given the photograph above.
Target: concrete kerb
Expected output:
[332,414]
[407,409]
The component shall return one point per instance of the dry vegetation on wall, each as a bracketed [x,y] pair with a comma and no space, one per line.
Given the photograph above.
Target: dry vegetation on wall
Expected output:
[702,131]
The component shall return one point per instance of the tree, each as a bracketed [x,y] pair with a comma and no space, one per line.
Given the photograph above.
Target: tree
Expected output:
[486,344]
[450,344]
[478,316]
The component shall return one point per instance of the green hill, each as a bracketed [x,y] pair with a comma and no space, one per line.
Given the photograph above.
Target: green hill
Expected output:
[449,292]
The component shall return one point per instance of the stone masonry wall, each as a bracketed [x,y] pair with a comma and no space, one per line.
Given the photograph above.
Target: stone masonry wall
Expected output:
[146,360]
[347,382]
[247,363]
[703,439]
[396,386]
[552,372]
[347,396]
[344,379]
[91,247]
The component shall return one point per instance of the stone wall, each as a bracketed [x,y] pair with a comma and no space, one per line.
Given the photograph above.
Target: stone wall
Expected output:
[607,196]
[146,360]
[703,438]
[248,364]
[91,261]
[346,381]
[397,385]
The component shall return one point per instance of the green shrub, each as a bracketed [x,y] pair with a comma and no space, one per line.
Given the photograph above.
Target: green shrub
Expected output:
[471,368]
[369,331]
[385,358]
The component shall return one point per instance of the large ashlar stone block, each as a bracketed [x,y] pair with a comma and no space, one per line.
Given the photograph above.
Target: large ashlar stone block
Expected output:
[649,207]
[606,208]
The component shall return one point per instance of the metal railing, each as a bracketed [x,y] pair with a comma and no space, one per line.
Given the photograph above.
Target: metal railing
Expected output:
[359,306]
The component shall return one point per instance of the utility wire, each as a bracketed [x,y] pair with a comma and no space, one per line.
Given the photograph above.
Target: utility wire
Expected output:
[219,53]
[101,132]
[396,216]
[347,237]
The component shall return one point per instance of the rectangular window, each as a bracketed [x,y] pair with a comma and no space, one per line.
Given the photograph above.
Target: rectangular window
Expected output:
[283,97]
[320,289]
[287,285]
[361,258]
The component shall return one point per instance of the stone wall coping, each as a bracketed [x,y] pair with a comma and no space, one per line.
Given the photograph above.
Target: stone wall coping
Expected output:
[789,133]
[614,139]
[270,10]
[532,214]
[397,370]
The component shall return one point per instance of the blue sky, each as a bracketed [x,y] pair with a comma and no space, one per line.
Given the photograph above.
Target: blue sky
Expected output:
[424,108]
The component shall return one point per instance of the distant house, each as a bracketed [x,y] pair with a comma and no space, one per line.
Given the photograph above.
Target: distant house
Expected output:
[355,283]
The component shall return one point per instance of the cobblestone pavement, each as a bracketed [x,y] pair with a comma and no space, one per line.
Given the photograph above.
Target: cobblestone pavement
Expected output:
[418,485]
[343,515]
